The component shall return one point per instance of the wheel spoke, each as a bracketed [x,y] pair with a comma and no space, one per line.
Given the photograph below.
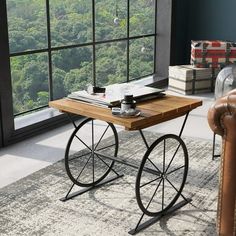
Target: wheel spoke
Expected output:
[106,164]
[101,138]
[73,158]
[172,186]
[163,193]
[172,158]
[151,171]
[83,142]
[105,147]
[177,190]
[150,182]
[93,147]
[175,170]
[101,159]
[164,156]
[83,167]
[154,165]
[163,168]
[154,194]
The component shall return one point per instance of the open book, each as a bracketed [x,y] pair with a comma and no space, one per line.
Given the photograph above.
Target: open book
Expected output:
[115,93]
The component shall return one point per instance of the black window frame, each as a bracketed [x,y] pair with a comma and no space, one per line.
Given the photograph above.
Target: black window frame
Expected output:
[9,134]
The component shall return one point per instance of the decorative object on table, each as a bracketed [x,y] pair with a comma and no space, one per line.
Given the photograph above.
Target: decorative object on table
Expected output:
[128,103]
[116,111]
[94,89]
[186,79]
[131,113]
[215,54]
[127,109]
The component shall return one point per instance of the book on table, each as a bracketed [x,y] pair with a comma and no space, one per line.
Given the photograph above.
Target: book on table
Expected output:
[115,93]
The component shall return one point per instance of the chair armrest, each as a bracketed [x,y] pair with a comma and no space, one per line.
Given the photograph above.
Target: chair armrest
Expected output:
[223,113]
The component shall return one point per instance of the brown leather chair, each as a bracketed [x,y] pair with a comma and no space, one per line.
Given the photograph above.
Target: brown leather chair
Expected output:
[222,120]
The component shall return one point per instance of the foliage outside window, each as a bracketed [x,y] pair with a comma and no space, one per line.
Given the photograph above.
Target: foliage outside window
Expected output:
[59,46]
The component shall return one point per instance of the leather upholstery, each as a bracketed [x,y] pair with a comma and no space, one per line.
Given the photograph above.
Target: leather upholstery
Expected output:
[222,120]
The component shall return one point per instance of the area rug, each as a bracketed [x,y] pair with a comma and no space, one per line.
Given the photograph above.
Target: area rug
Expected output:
[31,206]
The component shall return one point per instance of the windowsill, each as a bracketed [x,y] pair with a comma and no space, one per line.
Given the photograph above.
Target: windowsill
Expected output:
[47,113]
[149,81]
[36,117]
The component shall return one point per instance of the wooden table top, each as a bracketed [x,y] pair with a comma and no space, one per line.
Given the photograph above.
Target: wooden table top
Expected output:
[153,111]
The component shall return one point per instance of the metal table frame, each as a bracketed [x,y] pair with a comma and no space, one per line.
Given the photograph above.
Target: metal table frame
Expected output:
[155,216]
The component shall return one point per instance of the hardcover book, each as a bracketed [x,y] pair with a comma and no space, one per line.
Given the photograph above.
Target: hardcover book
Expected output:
[115,93]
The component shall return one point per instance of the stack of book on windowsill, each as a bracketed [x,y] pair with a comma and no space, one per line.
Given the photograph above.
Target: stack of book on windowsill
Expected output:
[186,79]
[115,93]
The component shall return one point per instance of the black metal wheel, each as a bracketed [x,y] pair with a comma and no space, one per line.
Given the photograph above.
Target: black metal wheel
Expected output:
[161,175]
[84,167]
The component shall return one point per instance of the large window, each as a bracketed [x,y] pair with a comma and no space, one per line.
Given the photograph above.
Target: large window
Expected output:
[59,46]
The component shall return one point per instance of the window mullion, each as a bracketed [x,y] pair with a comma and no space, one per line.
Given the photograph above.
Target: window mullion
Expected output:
[6,101]
[163,30]
[49,51]
[155,40]
[94,43]
[128,21]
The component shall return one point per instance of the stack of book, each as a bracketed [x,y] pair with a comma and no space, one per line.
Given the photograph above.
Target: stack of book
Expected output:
[115,93]
[186,79]
[96,99]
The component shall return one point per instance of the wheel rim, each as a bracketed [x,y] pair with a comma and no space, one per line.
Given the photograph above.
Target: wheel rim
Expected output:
[162,175]
[83,166]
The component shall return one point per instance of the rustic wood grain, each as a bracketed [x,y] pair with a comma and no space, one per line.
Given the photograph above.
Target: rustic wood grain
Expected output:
[153,111]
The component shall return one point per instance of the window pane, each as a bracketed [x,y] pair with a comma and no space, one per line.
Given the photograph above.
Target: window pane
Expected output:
[141,57]
[72,70]
[142,17]
[26,25]
[111,63]
[111,19]
[29,82]
[71,22]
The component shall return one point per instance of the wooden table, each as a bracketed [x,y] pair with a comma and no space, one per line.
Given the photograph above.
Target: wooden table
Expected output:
[163,169]
[153,111]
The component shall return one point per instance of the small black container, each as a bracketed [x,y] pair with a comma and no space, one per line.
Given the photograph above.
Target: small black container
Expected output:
[128,103]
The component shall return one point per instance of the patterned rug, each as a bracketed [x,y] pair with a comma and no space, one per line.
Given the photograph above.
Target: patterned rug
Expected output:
[31,206]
